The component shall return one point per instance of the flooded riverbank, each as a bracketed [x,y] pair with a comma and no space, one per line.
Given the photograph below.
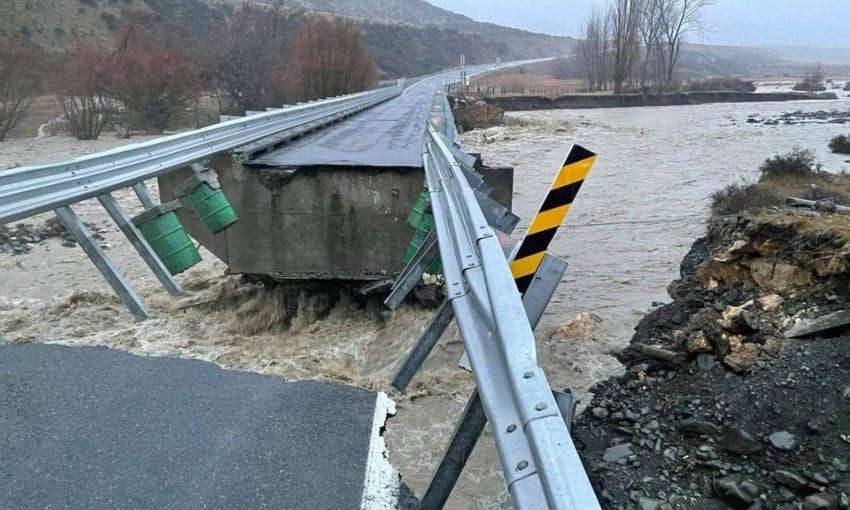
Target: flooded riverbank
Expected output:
[635,218]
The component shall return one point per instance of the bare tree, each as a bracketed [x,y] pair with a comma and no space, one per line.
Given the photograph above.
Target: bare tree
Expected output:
[652,63]
[19,84]
[678,19]
[246,57]
[812,81]
[625,23]
[594,50]
[329,59]
[153,82]
[82,91]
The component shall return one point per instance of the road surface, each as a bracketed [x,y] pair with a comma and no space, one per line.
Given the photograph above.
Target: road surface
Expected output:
[88,427]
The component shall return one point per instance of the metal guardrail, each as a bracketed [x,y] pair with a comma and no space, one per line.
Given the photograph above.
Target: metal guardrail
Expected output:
[541,466]
[30,190]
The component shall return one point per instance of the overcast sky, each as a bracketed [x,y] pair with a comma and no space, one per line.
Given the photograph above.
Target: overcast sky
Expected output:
[738,22]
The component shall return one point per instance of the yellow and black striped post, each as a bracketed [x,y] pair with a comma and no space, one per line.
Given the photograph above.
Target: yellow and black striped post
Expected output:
[550,216]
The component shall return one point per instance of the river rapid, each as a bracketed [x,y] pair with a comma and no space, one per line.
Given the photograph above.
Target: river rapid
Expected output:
[647,197]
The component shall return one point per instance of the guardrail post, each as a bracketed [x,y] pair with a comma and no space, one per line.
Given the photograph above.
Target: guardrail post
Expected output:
[407,280]
[139,243]
[464,438]
[465,435]
[144,195]
[433,331]
[115,279]
[567,402]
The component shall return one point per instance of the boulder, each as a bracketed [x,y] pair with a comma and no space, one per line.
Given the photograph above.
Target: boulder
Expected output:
[739,441]
[771,302]
[744,358]
[737,490]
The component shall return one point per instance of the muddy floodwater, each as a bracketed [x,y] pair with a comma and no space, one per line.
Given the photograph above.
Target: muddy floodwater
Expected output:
[643,205]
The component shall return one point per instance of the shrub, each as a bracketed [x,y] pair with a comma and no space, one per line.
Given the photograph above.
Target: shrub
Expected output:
[154,83]
[721,85]
[19,84]
[840,144]
[739,197]
[245,57]
[813,81]
[82,90]
[797,164]
[329,59]
[807,86]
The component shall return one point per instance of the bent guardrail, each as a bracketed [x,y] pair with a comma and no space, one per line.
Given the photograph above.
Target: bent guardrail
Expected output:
[541,466]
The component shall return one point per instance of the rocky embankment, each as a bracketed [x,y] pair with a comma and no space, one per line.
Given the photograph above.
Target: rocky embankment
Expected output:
[800,117]
[525,103]
[728,400]
[18,239]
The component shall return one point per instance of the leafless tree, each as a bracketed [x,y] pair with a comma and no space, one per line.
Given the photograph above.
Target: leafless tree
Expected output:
[625,23]
[19,84]
[812,81]
[152,81]
[329,58]
[678,19]
[246,57]
[652,62]
[82,90]
[594,49]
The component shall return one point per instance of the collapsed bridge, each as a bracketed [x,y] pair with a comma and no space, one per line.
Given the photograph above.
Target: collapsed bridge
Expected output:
[342,195]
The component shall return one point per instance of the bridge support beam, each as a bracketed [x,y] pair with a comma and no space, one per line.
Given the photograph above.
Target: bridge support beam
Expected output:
[115,279]
[407,280]
[433,331]
[144,194]
[139,243]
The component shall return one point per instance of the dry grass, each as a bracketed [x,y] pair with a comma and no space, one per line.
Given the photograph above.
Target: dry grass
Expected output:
[515,83]
[44,109]
[830,186]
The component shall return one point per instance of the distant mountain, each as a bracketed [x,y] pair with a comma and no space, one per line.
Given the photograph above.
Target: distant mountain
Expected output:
[707,60]
[412,12]
[406,37]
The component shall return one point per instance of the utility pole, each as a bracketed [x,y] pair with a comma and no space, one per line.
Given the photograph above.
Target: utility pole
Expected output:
[463,69]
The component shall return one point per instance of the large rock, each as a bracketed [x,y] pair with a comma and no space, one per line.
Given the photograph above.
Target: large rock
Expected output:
[739,441]
[779,276]
[698,427]
[831,266]
[744,358]
[737,490]
[736,319]
[771,302]
[822,501]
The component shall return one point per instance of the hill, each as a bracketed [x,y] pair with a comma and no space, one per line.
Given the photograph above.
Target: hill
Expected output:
[406,37]
[700,60]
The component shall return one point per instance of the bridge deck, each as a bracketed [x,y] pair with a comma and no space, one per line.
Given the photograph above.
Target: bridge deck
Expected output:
[388,135]
[98,428]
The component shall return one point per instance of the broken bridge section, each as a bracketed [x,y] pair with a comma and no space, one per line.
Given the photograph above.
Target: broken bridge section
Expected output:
[88,427]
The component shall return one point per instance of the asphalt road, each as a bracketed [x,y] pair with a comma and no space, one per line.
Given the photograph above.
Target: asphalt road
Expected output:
[388,135]
[94,428]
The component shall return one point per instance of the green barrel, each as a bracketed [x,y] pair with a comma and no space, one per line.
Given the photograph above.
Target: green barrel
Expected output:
[419,238]
[421,216]
[166,236]
[213,207]
[209,201]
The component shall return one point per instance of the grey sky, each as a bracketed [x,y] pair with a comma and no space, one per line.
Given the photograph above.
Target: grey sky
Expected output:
[738,22]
